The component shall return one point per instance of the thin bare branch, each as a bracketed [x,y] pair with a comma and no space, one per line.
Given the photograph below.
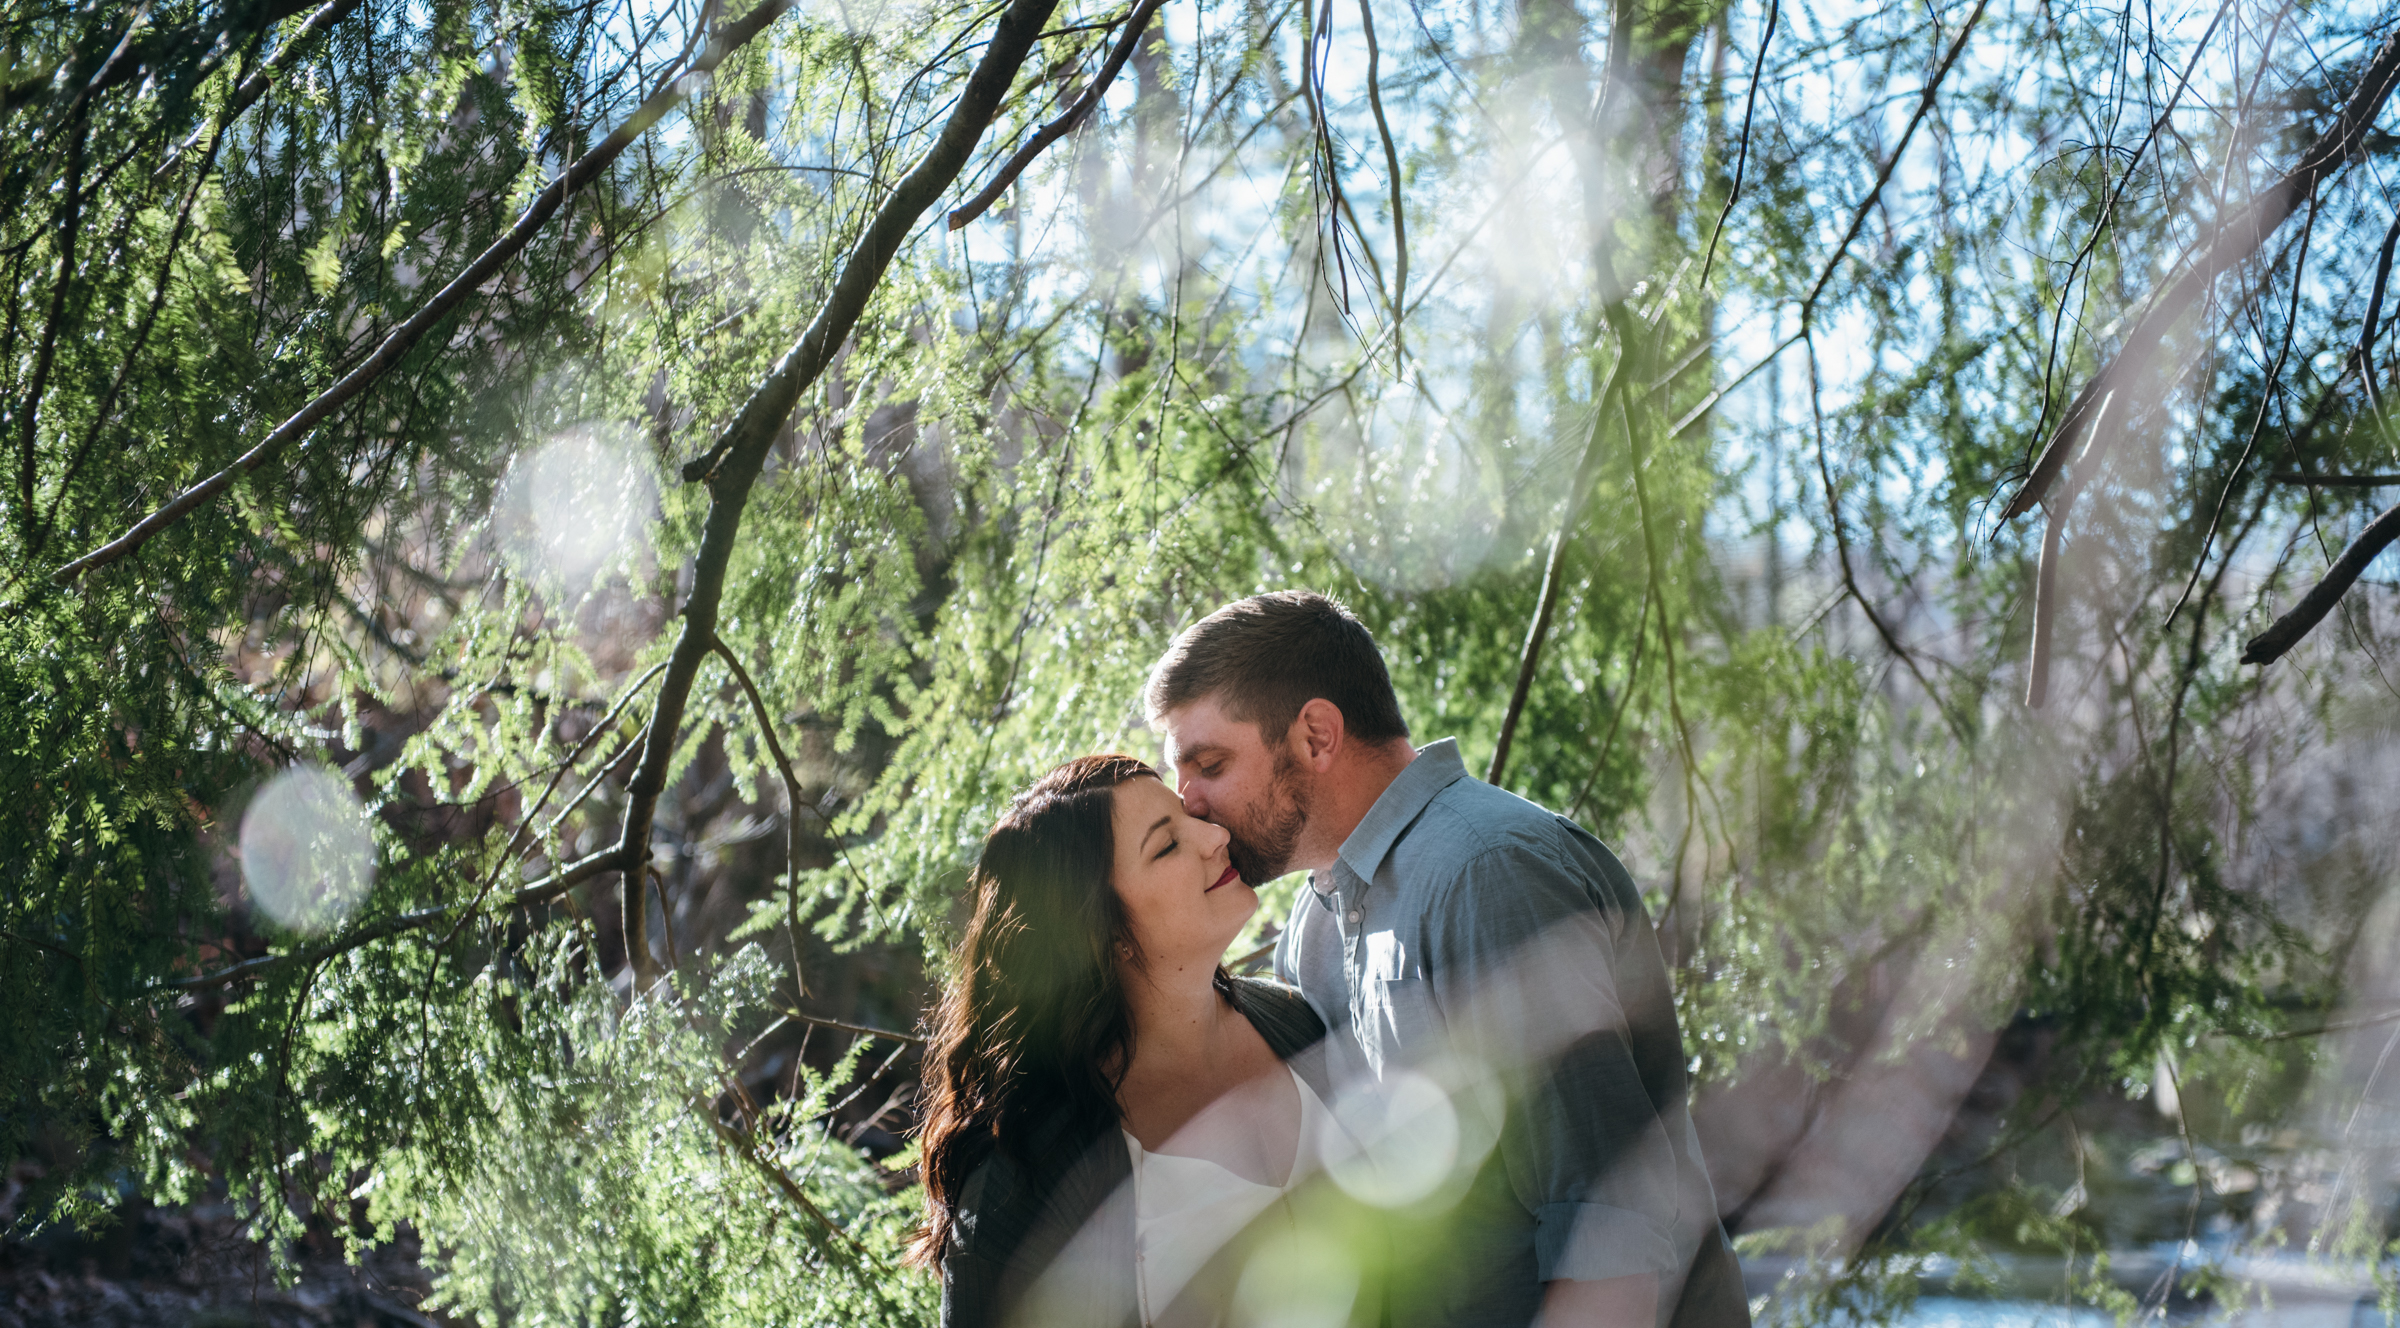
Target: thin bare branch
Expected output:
[2227,245]
[1741,161]
[1128,42]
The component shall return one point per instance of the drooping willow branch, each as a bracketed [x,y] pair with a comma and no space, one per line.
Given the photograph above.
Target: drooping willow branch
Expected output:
[1391,162]
[1128,42]
[740,452]
[586,169]
[2228,244]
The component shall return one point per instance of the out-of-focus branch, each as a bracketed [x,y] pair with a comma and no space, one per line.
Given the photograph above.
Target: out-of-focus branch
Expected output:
[2045,584]
[1529,658]
[403,338]
[2271,644]
[1128,42]
[2229,243]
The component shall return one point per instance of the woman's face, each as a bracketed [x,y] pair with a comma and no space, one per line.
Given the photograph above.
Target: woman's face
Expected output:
[1182,896]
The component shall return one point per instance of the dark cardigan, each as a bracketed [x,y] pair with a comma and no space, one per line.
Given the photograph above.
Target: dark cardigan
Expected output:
[1061,1254]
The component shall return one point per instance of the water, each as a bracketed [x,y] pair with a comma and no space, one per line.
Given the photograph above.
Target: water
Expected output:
[1958,1312]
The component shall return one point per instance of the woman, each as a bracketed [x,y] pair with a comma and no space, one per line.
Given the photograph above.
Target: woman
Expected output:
[1106,1107]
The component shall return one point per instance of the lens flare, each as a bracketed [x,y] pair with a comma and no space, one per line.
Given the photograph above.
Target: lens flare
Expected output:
[307,854]
[1396,1140]
[576,505]
[1309,1281]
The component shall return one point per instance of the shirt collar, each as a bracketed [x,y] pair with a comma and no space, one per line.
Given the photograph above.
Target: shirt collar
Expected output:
[1437,767]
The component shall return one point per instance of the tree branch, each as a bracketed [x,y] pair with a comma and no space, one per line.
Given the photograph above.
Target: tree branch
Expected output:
[2270,645]
[404,337]
[71,203]
[1741,164]
[255,85]
[539,892]
[2045,585]
[2230,243]
[741,450]
[791,794]
[1866,209]
[1128,42]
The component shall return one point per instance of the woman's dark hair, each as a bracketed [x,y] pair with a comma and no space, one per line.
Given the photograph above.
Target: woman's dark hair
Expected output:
[1034,1026]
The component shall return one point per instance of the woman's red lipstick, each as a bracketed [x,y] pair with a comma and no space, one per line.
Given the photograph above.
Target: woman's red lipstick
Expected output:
[1230,875]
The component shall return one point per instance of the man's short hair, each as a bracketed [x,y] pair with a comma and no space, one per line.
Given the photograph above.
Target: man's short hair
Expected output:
[1267,656]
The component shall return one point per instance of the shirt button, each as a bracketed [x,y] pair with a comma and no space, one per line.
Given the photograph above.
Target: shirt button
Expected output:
[1353,916]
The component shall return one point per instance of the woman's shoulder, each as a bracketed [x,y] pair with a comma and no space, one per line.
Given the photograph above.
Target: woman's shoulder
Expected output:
[1280,1014]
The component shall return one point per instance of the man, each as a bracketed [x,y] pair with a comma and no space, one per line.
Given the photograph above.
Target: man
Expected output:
[1443,915]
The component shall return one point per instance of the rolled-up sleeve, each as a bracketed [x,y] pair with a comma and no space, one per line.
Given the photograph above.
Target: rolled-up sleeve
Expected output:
[1524,956]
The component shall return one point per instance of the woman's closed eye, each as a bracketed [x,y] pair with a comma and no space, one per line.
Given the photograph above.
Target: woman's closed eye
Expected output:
[1172,845]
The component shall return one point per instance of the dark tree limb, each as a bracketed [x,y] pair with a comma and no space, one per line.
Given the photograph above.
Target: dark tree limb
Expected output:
[403,338]
[2229,243]
[2271,644]
[2372,324]
[1128,42]
[133,351]
[1741,162]
[741,450]
[254,86]
[745,445]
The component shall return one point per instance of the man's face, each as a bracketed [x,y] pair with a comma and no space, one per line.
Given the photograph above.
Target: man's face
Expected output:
[1230,775]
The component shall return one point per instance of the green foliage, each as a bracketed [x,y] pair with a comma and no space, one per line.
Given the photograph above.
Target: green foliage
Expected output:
[1780,674]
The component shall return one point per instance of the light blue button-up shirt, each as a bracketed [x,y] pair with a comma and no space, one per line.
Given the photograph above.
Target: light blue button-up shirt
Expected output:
[1462,924]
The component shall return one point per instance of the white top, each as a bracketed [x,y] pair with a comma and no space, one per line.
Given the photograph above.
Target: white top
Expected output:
[1188,1208]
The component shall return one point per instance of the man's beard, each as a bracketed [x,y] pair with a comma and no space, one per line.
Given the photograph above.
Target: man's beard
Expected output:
[1263,841]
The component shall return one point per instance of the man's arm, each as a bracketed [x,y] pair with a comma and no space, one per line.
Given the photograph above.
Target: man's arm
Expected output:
[1616,1302]
[1525,958]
